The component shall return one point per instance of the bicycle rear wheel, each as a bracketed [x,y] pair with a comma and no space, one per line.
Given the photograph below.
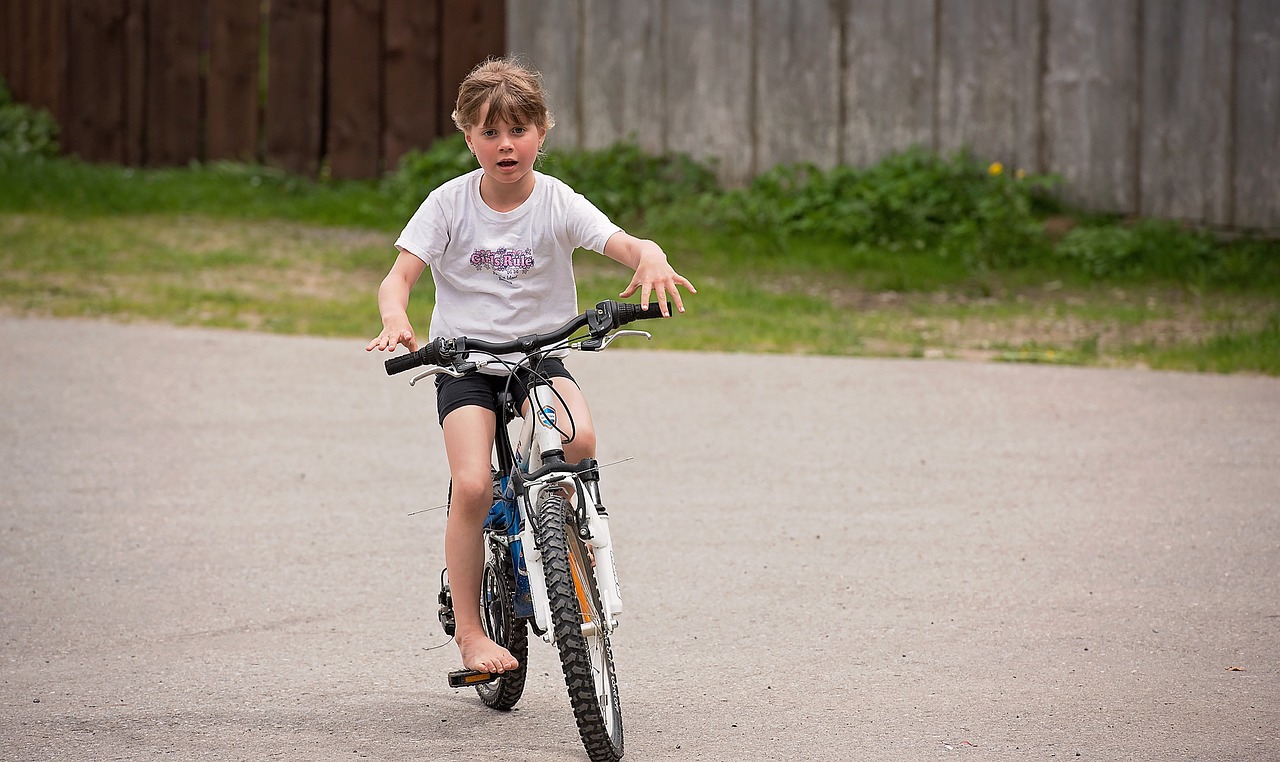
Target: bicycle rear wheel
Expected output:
[497,617]
[581,629]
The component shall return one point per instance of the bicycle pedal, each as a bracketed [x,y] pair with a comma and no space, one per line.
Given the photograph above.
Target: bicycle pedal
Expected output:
[464,678]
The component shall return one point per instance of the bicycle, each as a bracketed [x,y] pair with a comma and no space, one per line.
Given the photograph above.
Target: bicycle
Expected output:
[549,562]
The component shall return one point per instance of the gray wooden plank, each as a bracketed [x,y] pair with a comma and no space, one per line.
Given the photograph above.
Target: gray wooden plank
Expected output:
[1257,116]
[547,34]
[889,78]
[624,74]
[1186,110]
[710,110]
[797,72]
[1091,101]
[988,80]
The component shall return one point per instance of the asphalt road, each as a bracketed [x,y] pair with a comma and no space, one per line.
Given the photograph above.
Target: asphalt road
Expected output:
[207,552]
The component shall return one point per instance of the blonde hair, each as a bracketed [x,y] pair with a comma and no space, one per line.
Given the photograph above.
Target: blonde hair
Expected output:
[512,91]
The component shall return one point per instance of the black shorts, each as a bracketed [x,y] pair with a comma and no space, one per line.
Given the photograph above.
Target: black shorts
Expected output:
[482,389]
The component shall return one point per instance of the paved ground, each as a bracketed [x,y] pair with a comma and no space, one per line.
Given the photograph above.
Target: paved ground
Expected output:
[207,552]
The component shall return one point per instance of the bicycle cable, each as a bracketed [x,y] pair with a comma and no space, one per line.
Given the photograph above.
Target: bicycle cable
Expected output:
[437,648]
[531,364]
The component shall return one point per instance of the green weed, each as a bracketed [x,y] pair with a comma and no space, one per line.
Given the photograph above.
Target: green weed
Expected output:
[25,132]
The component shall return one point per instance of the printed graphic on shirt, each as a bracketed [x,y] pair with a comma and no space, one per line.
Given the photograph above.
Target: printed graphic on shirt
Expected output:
[507,264]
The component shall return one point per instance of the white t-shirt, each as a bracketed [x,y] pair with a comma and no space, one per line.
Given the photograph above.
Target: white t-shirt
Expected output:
[502,275]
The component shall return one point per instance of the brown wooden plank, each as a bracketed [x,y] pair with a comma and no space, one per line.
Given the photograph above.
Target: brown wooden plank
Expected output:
[411,75]
[17,39]
[9,49]
[38,55]
[1186,110]
[135,82]
[95,71]
[353,136]
[295,81]
[472,30]
[231,106]
[175,30]
[1257,116]
[55,77]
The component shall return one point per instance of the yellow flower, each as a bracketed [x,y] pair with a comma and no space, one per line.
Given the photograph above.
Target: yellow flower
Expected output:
[1020,174]
[996,168]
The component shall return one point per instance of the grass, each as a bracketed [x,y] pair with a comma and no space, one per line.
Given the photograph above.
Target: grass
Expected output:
[246,247]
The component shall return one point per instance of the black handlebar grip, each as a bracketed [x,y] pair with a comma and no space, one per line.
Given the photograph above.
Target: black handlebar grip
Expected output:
[628,312]
[438,352]
[401,363]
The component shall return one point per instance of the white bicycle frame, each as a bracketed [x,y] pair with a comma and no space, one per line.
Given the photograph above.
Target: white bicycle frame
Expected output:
[538,435]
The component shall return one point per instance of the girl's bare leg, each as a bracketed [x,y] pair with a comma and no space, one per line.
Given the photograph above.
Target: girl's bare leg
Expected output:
[468,441]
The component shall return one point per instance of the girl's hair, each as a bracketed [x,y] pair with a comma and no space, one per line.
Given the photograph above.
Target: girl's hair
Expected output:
[512,91]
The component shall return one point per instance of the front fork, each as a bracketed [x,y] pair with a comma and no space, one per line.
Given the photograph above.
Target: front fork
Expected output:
[540,436]
[597,526]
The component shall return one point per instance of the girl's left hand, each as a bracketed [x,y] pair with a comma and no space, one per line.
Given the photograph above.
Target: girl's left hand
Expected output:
[654,275]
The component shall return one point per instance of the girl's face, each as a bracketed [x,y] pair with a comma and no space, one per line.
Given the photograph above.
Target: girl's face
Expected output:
[505,151]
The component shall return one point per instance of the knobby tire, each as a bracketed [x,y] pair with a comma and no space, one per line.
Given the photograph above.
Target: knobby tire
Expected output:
[559,543]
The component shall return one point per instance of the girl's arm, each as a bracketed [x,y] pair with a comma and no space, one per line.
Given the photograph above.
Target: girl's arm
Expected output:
[652,271]
[393,303]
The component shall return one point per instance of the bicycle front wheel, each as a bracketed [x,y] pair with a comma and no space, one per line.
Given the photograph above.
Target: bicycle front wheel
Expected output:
[581,629]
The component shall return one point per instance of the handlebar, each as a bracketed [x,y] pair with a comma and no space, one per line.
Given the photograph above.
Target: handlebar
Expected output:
[608,315]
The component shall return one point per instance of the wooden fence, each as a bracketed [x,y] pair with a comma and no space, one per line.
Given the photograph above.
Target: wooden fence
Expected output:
[300,84]
[1166,108]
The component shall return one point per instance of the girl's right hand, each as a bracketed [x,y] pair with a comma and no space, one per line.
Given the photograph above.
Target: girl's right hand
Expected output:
[393,301]
[394,333]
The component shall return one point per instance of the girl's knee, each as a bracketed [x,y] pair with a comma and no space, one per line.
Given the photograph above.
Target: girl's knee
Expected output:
[582,446]
[472,491]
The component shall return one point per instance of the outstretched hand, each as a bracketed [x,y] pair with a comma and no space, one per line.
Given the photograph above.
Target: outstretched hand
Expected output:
[655,276]
[394,334]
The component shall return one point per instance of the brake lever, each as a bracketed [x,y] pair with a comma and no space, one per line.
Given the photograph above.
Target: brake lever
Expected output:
[609,339]
[438,370]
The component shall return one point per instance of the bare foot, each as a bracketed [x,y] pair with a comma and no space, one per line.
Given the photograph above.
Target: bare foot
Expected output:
[481,654]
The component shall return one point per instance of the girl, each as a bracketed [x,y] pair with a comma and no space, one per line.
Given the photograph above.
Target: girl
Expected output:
[499,241]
